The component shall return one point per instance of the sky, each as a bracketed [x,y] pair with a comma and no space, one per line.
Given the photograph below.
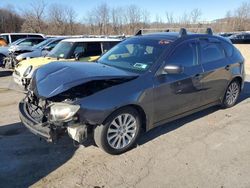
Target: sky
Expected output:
[211,9]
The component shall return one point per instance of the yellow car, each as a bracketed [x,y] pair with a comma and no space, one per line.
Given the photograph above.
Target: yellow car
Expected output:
[74,49]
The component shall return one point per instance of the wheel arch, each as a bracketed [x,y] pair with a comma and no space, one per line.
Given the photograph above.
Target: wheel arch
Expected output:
[239,79]
[138,108]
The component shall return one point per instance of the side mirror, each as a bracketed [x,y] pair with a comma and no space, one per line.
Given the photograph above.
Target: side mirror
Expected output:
[173,69]
[47,48]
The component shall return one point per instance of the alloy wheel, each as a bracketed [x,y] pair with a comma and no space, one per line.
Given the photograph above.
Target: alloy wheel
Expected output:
[232,93]
[122,131]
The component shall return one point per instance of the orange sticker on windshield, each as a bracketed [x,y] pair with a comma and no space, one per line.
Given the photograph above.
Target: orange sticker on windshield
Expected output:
[164,42]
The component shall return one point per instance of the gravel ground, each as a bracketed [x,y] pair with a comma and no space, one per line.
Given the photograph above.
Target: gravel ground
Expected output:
[207,149]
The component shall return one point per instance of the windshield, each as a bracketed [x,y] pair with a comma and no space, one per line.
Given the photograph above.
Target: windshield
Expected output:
[42,44]
[16,42]
[61,50]
[135,55]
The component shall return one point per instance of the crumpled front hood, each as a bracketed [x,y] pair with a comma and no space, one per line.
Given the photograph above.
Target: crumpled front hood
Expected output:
[57,77]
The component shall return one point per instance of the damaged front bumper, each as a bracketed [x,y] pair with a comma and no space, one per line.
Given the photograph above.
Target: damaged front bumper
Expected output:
[77,132]
[42,130]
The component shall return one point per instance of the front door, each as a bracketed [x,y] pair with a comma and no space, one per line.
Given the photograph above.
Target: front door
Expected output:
[175,94]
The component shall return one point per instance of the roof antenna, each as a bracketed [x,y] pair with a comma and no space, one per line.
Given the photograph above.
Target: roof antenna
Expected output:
[183,32]
[209,31]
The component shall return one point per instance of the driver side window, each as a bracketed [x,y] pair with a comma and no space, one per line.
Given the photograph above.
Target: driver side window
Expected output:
[184,55]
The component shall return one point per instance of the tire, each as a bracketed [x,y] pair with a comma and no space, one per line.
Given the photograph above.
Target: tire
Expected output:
[232,94]
[114,138]
[1,60]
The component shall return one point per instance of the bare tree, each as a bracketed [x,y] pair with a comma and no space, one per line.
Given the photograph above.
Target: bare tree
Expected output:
[117,20]
[195,15]
[101,17]
[145,18]
[170,18]
[134,18]
[242,14]
[34,17]
[184,20]
[61,19]
[10,21]
[71,20]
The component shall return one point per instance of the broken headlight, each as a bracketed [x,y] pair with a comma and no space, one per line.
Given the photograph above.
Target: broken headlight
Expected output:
[62,112]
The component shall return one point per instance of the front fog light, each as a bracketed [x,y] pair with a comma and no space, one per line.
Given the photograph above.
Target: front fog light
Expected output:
[28,71]
[63,112]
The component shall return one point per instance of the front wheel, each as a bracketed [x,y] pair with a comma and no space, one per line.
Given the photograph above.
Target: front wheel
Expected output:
[120,132]
[232,94]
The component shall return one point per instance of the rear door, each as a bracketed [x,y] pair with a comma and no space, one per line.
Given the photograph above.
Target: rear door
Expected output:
[216,67]
[178,93]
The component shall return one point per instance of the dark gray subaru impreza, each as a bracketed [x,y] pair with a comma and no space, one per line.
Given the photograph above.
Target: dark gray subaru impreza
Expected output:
[145,81]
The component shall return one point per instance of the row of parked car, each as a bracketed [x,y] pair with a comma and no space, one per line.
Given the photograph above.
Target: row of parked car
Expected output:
[136,84]
[27,54]
[238,37]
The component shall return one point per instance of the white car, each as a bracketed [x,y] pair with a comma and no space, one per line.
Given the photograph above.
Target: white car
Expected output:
[12,37]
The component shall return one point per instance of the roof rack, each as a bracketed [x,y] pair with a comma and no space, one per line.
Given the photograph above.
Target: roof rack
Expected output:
[182,32]
[141,31]
[209,31]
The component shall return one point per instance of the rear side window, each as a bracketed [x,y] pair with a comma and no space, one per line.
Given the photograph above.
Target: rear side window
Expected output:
[93,49]
[35,36]
[211,52]
[185,55]
[112,44]
[108,45]
[228,48]
[105,46]
[16,37]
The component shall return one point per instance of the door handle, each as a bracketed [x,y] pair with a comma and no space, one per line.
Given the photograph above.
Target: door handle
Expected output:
[227,67]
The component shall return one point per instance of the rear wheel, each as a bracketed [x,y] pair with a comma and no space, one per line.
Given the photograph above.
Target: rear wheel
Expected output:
[232,94]
[120,132]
